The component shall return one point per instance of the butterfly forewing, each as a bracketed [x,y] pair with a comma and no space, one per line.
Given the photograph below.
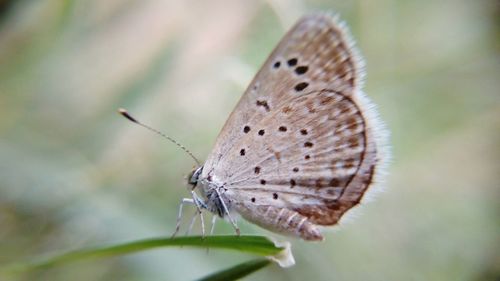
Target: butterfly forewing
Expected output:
[313,55]
[299,150]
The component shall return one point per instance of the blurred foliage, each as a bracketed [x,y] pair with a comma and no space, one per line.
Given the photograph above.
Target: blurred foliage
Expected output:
[238,271]
[73,173]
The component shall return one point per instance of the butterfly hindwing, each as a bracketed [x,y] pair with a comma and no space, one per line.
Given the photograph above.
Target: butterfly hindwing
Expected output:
[307,160]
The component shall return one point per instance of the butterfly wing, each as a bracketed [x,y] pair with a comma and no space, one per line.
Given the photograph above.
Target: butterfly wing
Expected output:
[299,144]
[320,166]
[315,51]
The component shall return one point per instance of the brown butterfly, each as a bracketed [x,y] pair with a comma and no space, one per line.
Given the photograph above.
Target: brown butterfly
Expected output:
[303,145]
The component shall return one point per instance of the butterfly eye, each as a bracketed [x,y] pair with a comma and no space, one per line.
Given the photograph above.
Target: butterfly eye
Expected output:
[195,175]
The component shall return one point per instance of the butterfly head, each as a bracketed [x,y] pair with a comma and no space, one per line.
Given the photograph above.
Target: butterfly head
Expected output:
[194,176]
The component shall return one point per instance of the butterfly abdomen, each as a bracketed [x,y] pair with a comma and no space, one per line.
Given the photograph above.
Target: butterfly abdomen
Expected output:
[280,220]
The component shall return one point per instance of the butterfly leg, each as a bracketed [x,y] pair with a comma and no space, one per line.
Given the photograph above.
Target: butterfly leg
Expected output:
[191,224]
[200,204]
[214,218]
[226,211]
[202,221]
[179,215]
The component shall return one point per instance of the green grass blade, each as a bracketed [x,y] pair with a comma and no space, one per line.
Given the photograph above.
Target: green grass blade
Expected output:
[258,245]
[238,271]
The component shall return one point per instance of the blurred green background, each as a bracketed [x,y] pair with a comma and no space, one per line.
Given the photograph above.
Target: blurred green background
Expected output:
[73,173]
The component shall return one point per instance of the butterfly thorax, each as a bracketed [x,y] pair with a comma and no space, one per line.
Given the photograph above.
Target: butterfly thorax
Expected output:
[211,191]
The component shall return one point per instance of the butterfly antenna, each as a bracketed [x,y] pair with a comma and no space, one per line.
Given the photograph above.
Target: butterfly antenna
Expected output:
[125,114]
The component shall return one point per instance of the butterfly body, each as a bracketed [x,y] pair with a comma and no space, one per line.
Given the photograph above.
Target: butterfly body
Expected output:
[304,144]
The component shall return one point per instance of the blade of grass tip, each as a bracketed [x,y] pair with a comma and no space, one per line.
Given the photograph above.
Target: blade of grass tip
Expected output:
[238,271]
[258,245]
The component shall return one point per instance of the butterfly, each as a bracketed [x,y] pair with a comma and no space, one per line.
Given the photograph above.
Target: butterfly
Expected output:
[303,145]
